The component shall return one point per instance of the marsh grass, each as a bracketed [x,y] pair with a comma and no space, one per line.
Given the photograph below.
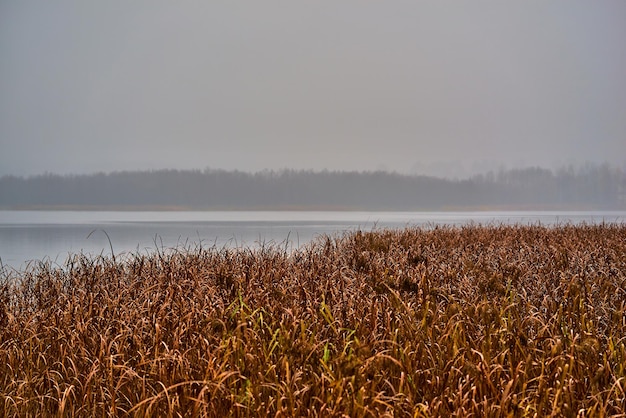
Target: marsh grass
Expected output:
[474,320]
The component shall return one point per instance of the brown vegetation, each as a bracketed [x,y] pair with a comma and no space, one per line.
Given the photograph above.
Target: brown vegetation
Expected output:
[475,320]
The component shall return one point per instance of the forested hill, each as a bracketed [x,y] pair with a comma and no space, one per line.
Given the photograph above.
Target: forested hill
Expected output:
[589,187]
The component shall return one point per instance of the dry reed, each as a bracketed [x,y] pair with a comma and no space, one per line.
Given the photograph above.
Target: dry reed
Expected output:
[474,320]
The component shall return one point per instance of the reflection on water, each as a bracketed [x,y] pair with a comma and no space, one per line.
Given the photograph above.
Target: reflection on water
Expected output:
[53,235]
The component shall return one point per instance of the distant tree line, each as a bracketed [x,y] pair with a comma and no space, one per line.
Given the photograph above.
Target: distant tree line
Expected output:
[589,187]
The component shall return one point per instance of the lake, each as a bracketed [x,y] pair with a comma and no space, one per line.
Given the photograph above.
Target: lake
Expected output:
[54,235]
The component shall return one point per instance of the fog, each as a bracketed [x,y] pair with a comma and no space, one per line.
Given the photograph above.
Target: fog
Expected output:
[429,87]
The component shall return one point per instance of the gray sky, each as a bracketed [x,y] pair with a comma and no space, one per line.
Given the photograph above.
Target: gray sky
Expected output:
[413,86]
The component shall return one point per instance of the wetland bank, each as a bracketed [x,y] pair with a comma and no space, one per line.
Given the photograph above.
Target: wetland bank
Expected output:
[466,320]
[110,111]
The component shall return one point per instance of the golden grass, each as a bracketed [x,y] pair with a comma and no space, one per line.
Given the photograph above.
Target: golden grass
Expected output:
[475,320]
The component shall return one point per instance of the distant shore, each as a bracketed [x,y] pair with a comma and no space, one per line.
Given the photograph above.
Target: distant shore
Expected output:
[320,208]
[587,188]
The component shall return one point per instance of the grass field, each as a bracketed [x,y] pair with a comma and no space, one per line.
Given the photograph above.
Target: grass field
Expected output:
[474,320]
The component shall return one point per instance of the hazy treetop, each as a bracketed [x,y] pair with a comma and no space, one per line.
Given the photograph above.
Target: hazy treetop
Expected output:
[430,86]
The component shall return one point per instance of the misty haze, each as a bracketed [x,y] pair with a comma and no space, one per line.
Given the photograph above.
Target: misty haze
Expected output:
[428,88]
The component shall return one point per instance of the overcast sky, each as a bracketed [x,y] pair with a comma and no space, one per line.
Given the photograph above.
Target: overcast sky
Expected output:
[413,86]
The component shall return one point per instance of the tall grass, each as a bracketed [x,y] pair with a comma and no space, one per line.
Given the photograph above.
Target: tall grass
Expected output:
[474,320]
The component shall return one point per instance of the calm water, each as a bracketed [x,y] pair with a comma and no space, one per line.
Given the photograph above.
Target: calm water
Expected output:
[53,235]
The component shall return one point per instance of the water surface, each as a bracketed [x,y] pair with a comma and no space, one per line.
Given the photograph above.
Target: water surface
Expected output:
[27,236]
